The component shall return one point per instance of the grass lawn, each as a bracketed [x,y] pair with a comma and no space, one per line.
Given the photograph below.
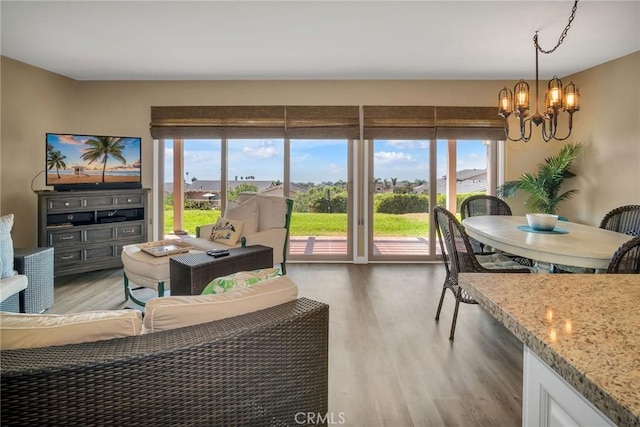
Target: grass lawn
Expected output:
[317,224]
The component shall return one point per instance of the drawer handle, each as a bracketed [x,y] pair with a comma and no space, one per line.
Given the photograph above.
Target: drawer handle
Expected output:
[66,238]
[66,203]
[128,200]
[66,257]
[128,231]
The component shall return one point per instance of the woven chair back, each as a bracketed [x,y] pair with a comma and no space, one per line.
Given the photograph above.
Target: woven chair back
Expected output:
[626,260]
[625,219]
[483,205]
[456,242]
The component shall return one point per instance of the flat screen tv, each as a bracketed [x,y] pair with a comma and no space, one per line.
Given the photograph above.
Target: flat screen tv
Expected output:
[83,162]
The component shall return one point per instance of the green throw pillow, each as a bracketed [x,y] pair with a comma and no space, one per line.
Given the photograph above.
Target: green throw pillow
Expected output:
[243,279]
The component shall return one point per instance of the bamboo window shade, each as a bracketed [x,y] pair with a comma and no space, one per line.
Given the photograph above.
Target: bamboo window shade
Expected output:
[399,122]
[326,122]
[323,122]
[303,122]
[204,122]
[462,123]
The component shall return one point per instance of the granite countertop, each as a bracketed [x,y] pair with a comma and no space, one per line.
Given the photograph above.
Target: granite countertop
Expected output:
[586,327]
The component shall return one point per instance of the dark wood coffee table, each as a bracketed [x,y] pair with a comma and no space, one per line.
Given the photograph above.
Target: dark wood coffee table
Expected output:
[192,272]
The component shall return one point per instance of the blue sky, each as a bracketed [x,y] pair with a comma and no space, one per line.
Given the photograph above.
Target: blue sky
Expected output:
[73,146]
[317,160]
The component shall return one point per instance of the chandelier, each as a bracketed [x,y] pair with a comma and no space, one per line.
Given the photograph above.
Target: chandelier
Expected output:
[556,100]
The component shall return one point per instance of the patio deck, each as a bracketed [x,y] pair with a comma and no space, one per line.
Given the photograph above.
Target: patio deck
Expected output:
[335,245]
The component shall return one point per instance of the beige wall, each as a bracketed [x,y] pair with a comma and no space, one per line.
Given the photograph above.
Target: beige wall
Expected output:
[34,102]
[64,105]
[608,125]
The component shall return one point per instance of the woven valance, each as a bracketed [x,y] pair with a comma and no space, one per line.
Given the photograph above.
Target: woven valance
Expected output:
[217,122]
[469,123]
[326,122]
[401,122]
[303,122]
[323,122]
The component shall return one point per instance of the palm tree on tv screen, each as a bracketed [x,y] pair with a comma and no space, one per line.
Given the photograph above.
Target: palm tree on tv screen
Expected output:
[103,147]
[55,159]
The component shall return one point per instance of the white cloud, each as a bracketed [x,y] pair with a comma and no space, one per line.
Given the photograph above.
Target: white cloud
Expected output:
[386,157]
[264,150]
[409,144]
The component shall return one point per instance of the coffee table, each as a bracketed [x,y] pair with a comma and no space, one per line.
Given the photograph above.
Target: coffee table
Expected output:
[192,272]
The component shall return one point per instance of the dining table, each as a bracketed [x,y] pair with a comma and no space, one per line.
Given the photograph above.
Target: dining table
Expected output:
[569,243]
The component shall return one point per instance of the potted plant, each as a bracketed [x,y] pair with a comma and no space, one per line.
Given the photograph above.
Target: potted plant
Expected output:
[544,187]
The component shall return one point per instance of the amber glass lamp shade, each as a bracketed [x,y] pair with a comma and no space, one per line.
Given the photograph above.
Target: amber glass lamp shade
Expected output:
[521,97]
[571,98]
[505,102]
[554,93]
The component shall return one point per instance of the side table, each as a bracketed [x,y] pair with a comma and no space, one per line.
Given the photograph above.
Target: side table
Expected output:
[191,273]
[37,265]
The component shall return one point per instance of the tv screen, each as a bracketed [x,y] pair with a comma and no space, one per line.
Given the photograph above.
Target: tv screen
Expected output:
[93,161]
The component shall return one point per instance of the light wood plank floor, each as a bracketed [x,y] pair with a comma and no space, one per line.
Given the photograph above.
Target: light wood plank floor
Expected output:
[390,363]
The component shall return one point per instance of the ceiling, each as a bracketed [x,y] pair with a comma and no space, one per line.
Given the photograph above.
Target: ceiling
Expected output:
[327,40]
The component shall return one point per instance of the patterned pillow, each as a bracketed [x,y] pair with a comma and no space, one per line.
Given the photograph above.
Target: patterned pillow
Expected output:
[6,246]
[243,279]
[227,231]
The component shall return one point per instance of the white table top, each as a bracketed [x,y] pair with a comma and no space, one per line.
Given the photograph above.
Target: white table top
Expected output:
[583,246]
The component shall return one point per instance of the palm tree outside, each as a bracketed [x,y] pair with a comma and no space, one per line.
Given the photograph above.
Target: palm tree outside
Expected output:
[102,148]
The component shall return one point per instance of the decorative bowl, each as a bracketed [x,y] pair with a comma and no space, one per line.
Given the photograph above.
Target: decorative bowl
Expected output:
[542,222]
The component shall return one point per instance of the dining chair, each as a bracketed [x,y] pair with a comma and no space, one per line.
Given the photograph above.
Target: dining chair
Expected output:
[623,219]
[459,257]
[626,260]
[482,204]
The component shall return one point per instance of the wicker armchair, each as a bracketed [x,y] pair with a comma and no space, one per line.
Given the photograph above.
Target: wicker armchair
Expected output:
[459,257]
[626,260]
[256,369]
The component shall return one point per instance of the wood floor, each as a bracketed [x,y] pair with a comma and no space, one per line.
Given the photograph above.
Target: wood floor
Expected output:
[390,363]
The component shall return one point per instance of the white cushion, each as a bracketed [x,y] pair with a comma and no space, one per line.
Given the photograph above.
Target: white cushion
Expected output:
[499,261]
[144,269]
[246,211]
[227,231]
[273,212]
[166,313]
[43,330]
[12,285]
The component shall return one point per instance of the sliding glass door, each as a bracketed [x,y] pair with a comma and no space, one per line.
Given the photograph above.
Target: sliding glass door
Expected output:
[399,199]
[320,185]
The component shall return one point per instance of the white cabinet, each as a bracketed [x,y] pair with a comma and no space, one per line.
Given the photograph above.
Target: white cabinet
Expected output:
[548,400]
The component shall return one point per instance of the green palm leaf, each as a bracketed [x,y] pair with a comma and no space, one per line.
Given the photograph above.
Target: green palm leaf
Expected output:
[543,187]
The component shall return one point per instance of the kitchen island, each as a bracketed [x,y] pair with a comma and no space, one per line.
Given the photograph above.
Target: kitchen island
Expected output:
[581,336]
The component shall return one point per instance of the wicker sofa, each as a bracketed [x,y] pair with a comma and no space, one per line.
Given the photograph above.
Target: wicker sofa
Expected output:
[260,368]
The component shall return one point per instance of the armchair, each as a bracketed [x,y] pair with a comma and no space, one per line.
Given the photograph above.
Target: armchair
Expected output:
[267,220]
